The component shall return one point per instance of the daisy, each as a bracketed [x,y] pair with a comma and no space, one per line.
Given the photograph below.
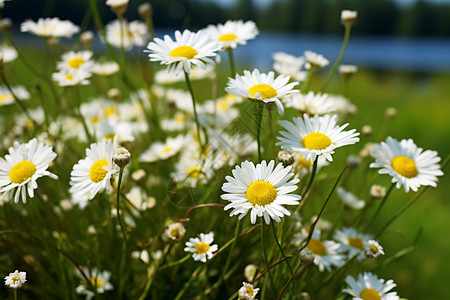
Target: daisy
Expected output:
[105,68]
[201,247]
[347,70]
[232,33]
[327,253]
[188,49]
[7,98]
[8,53]
[408,165]
[261,189]
[162,151]
[24,164]
[72,77]
[349,199]
[100,280]
[261,87]
[369,286]
[174,231]
[315,60]
[351,242]
[50,28]
[72,61]
[315,136]
[16,279]
[372,249]
[130,34]
[247,292]
[92,174]
[289,65]
[311,103]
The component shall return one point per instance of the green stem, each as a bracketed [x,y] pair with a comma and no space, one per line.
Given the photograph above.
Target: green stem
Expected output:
[122,228]
[281,249]
[122,37]
[266,258]
[180,261]
[236,235]
[191,91]
[380,207]
[305,84]
[313,175]
[260,109]
[15,294]
[339,58]
[187,284]
[231,59]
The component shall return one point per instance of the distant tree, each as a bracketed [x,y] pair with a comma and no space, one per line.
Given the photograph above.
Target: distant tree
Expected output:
[418,20]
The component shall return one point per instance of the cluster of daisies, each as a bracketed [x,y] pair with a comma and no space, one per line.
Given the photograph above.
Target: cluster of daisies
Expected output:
[266,190]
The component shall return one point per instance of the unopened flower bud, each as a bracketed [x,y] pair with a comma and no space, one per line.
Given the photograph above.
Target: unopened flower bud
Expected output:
[307,257]
[145,10]
[347,70]
[113,93]
[87,38]
[365,151]
[118,6]
[138,175]
[121,157]
[366,130]
[250,272]
[304,296]
[348,17]
[377,191]
[286,158]
[390,112]
[5,24]
[353,160]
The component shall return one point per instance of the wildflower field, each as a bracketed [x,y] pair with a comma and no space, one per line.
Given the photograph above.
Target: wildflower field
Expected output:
[136,166]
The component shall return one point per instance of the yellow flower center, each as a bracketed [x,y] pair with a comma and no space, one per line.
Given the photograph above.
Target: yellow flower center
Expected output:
[75,62]
[227,37]
[369,294]
[194,172]
[202,248]
[302,163]
[15,278]
[264,90]
[249,290]
[261,192]
[96,172]
[174,232]
[373,249]
[167,149]
[95,120]
[110,111]
[109,136]
[98,283]
[184,51]
[317,247]
[2,98]
[404,166]
[356,243]
[316,141]
[22,171]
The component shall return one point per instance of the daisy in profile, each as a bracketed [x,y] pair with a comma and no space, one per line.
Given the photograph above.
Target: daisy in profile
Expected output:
[8,53]
[311,103]
[289,65]
[369,286]
[129,35]
[99,282]
[315,60]
[24,164]
[16,279]
[247,292]
[50,28]
[7,98]
[352,242]
[105,68]
[315,136]
[232,33]
[349,199]
[188,49]
[71,77]
[260,189]
[408,164]
[162,151]
[201,248]
[327,253]
[93,173]
[261,87]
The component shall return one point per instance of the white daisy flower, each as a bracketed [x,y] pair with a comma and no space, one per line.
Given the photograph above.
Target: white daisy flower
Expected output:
[289,65]
[175,231]
[327,253]
[311,103]
[162,151]
[349,199]
[352,242]
[76,60]
[261,189]
[92,174]
[7,98]
[188,49]
[377,191]
[16,279]
[315,60]
[72,77]
[247,292]
[347,70]
[116,3]
[105,68]
[132,34]
[8,53]
[100,280]
[408,165]
[261,87]
[50,28]
[232,33]
[201,247]
[315,136]
[369,286]
[24,164]
[372,249]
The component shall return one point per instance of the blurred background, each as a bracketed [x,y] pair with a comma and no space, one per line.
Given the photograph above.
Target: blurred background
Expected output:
[402,49]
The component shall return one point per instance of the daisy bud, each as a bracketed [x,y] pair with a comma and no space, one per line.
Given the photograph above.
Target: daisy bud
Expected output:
[348,17]
[15,280]
[138,175]
[390,112]
[118,6]
[145,10]
[113,94]
[366,130]
[372,249]
[87,38]
[175,231]
[304,296]
[286,158]
[306,257]
[353,160]
[5,24]
[365,151]
[347,70]
[121,157]
[377,191]
[250,272]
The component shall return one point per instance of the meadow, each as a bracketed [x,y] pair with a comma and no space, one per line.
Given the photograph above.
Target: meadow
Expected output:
[141,167]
